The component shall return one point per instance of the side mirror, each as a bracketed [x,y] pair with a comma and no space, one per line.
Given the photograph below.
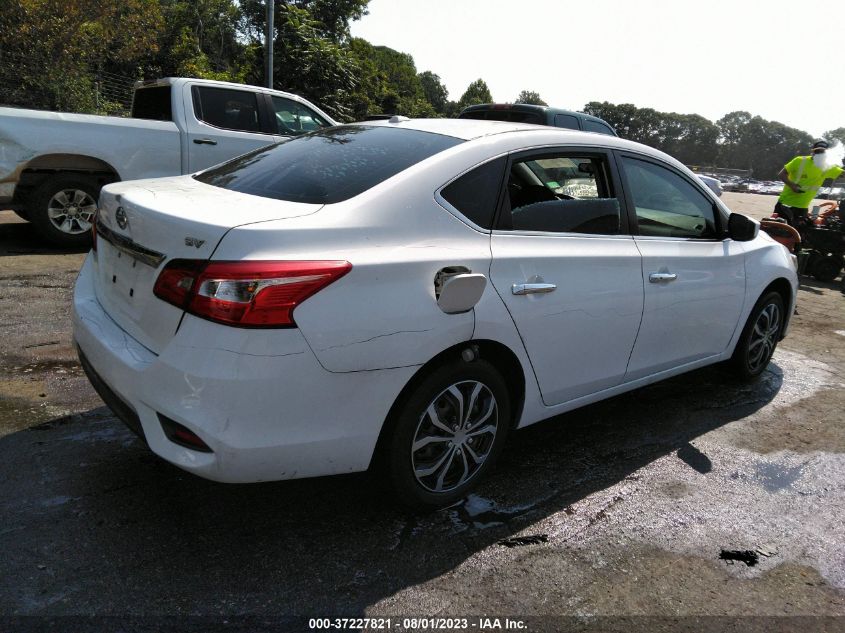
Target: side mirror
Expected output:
[741,228]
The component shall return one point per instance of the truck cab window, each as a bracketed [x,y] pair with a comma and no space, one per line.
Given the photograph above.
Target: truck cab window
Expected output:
[293,118]
[227,109]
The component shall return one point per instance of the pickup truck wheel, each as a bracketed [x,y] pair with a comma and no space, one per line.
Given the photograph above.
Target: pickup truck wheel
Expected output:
[62,209]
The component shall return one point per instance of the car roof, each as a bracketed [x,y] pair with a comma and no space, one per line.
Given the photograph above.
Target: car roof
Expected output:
[473,129]
[530,107]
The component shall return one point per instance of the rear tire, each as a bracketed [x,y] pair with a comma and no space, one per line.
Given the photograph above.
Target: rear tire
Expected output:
[62,209]
[447,435]
[760,337]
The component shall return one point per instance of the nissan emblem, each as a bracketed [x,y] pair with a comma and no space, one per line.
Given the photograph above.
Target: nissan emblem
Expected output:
[120,217]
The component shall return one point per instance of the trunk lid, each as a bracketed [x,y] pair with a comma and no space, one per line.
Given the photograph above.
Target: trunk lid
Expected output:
[144,224]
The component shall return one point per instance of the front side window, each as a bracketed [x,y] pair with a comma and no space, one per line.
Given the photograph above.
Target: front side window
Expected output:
[293,118]
[327,166]
[666,204]
[226,108]
[566,193]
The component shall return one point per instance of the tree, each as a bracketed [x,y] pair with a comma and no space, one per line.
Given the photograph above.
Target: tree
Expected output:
[751,142]
[202,38]
[434,90]
[529,96]
[331,18]
[477,92]
[53,48]
[836,135]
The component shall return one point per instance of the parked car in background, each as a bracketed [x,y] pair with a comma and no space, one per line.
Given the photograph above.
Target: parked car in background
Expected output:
[52,164]
[537,114]
[714,184]
[403,294]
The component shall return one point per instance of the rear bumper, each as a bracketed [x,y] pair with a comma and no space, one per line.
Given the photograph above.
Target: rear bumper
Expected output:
[258,398]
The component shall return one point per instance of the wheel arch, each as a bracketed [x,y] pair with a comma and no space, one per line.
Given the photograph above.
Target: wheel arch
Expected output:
[39,169]
[499,355]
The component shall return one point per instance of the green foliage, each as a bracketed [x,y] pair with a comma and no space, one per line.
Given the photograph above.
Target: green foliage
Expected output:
[751,142]
[836,135]
[737,140]
[434,90]
[530,97]
[50,49]
[476,93]
[312,65]
[83,55]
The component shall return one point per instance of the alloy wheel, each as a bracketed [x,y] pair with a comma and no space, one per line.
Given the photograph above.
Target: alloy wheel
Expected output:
[72,211]
[763,339]
[454,436]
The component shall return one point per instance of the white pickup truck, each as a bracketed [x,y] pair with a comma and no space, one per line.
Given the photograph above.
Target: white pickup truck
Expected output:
[52,164]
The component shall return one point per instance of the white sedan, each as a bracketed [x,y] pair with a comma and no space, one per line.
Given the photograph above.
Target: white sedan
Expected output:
[404,293]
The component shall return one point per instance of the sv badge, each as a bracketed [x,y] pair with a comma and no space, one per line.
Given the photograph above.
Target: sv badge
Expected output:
[192,241]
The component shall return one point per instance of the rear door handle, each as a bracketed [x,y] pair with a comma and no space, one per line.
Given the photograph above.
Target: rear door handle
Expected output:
[531,289]
[205,141]
[657,278]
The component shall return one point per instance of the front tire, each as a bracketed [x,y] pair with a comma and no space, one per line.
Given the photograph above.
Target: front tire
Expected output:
[447,435]
[62,209]
[760,337]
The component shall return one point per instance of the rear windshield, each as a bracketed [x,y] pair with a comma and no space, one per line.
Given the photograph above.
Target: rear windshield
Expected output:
[152,103]
[327,166]
[512,116]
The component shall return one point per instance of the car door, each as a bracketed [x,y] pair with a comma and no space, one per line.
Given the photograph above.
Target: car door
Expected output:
[567,270]
[694,276]
[223,123]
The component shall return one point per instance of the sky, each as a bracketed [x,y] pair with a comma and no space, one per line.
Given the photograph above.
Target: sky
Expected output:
[706,58]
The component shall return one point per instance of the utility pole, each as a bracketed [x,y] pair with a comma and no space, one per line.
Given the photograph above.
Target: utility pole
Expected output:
[268,45]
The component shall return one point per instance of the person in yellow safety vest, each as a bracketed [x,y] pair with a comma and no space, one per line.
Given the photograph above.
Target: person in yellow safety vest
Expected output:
[802,177]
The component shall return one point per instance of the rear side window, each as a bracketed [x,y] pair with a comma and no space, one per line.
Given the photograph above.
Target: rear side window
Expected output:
[327,166]
[475,193]
[566,120]
[226,108]
[152,104]
[596,126]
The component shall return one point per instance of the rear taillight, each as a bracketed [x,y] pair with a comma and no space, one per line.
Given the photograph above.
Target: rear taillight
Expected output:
[246,293]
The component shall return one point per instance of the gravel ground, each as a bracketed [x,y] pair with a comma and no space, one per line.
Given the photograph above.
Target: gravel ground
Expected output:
[626,505]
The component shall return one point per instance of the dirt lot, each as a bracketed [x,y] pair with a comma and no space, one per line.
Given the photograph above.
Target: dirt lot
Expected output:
[631,500]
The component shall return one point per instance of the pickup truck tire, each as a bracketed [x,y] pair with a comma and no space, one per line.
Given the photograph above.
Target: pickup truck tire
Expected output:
[62,209]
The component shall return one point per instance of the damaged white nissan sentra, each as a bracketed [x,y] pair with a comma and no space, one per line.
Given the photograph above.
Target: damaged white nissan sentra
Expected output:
[404,293]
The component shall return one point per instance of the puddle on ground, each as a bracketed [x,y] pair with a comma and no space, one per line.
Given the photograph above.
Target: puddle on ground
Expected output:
[480,513]
[802,377]
[812,424]
[804,416]
[775,477]
[17,414]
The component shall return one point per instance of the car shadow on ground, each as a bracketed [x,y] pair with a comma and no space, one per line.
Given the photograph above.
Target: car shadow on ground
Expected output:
[813,285]
[95,523]
[20,238]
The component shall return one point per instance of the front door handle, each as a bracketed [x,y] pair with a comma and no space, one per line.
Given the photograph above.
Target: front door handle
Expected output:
[531,289]
[205,141]
[657,278]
